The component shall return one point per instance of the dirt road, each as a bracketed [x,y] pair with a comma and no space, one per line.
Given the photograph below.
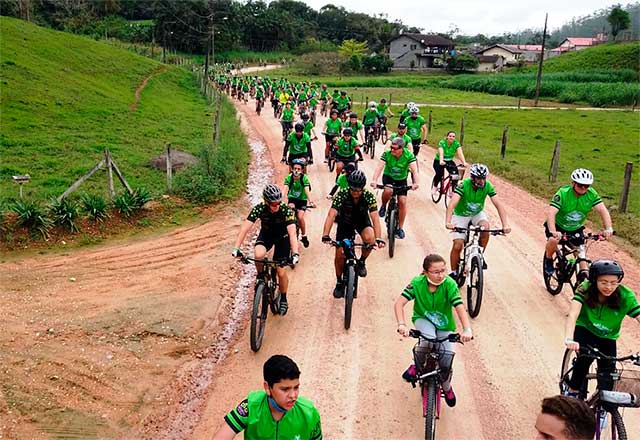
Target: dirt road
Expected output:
[148,339]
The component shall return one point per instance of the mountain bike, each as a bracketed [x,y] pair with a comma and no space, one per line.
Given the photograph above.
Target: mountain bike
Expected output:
[392,215]
[427,354]
[349,274]
[567,265]
[382,133]
[448,184]
[606,404]
[266,296]
[471,266]
[331,160]
[370,144]
[258,105]
[323,107]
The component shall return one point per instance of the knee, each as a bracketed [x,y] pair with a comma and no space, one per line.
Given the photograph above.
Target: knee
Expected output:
[457,245]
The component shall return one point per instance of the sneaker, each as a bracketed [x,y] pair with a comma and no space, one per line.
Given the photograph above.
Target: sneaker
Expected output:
[410,374]
[484,264]
[382,211]
[548,266]
[453,274]
[305,241]
[450,397]
[361,269]
[400,233]
[338,291]
[284,306]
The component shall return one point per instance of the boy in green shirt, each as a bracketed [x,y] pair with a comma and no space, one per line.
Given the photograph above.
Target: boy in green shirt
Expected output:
[298,195]
[286,120]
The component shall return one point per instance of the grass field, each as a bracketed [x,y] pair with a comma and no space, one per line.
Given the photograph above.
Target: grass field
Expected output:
[604,56]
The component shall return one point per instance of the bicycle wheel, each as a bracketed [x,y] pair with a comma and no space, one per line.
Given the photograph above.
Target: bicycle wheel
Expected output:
[429,396]
[392,225]
[447,190]
[474,289]
[383,135]
[350,284]
[435,196]
[372,149]
[331,162]
[618,423]
[553,282]
[258,316]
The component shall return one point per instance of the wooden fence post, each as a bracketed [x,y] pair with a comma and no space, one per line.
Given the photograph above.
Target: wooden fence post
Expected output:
[519,102]
[169,169]
[390,101]
[462,130]
[624,197]
[503,148]
[555,160]
[107,158]
[366,103]
[218,115]
[429,125]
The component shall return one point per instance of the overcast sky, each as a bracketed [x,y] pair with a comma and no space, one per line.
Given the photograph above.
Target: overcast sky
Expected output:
[474,16]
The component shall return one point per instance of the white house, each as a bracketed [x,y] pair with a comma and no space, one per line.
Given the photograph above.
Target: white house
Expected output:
[419,50]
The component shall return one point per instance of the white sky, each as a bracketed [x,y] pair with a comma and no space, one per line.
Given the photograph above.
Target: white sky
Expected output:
[474,16]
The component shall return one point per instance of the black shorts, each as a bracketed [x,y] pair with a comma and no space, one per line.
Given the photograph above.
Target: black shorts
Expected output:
[287,124]
[386,180]
[282,246]
[576,238]
[298,203]
[329,137]
[346,159]
[298,156]
[348,230]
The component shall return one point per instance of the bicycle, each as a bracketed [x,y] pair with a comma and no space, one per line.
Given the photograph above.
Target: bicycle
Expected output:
[566,265]
[392,215]
[605,402]
[266,296]
[370,144]
[448,184]
[471,266]
[287,126]
[258,106]
[427,361]
[331,160]
[349,274]
[323,107]
[382,133]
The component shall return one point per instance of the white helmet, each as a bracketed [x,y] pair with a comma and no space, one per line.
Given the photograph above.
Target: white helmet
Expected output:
[414,109]
[582,176]
[372,104]
[410,104]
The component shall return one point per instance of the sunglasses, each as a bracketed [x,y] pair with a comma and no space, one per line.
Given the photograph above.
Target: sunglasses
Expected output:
[396,148]
[580,185]
[357,190]
[274,204]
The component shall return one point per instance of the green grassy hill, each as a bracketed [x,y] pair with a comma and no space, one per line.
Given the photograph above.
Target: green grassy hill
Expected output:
[65,98]
[605,56]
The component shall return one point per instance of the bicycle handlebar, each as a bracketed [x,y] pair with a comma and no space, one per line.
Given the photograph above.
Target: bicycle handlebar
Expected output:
[595,353]
[352,244]
[397,188]
[479,228]
[452,337]
[280,262]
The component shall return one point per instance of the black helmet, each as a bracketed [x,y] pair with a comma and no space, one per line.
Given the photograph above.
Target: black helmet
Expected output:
[402,125]
[383,100]
[353,115]
[299,127]
[357,179]
[347,132]
[343,92]
[299,161]
[272,193]
[349,168]
[605,267]
[305,117]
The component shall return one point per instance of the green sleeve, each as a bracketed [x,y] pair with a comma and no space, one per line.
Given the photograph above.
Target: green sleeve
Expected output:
[409,292]
[383,157]
[632,306]
[287,180]
[316,431]
[596,197]
[556,200]
[238,417]
[459,190]
[453,294]
[580,294]
[491,191]
[305,181]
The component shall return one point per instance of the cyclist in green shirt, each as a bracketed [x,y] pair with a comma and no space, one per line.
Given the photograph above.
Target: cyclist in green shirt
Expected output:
[566,215]
[332,129]
[286,120]
[404,114]
[595,317]
[448,148]
[416,129]
[308,127]
[298,195]
[277,411]
[356,126]
[434,296]
[346,149]
[384,110]
[402,133]
[370,118]
[343,102]
[341,181]
[396,162]
[467,207]
[298,145]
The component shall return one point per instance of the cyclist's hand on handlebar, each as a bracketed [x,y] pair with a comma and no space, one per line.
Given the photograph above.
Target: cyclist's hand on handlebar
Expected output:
[450,226]
[329,196]
[373,185]
[403,330]
[236,253]
[415,186]
[295,258]
[572,345]
[557,235]
[326,239]
[506,229]
[466,335]
[380,243]
[606,233]
[442,163]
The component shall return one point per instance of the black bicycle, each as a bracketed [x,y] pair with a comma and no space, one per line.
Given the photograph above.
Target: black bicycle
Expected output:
[266,296]
[427,354]
[566,262]
[471,266]
[392,215]
[349,274]
[604,402]
[370,144]
[331,160]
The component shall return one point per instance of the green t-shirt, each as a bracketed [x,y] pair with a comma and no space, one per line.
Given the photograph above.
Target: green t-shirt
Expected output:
[472,200]
[253,416]
[382,109]
[342,181]
[397,169]
[333,127]
[405,138]
[287,115]
[413,126]
[346,149]
[449,150]
[602,320]
[324,93]
[302,96]
[298,145]
[342,102]
[436,307]
[573,210]
[405,114]
[296,187]
[355,127]
[307,128]
[370,117]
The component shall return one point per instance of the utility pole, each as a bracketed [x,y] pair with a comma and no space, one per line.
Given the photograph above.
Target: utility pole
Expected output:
[539,78]
[209,40]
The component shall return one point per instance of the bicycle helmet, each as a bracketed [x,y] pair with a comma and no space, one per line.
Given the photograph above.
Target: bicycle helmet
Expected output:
[414,109]
[605,267]
[347,132]
[357,179]
[382,101]
[582,176]
[343,92]
[353,115]
[272,193]
[410,104]
[479,170]
[305,117]
[333,112]
[349,168]
[402,125]
[299,128]
[299,161]
[372,104]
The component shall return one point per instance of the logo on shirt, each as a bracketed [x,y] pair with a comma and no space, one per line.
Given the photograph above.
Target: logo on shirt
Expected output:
[574,216]
[243,409]
[474,206]
[603,329]
[437,319]
[556,198]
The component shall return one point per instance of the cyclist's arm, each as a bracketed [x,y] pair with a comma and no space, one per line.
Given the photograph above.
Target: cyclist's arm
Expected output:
[460,154]
[334,189]
[377,172]
[604,215]
[224,433]
[375,220]
[464,318]
[413,169]
[313,130]
[331,216]
[359,153]
[244,229]
[423,129]
[388,111]
[572,317]
[293,239]
[501,212]
[452,204]
[441,155]
[398,309]
[551,219]
[309,150]
[286,148]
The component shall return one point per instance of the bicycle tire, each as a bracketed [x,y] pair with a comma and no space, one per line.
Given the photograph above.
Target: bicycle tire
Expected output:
[476,281]
[372,150]
[350,284]
[430,415]
[436,196]
[448,191]
[384,135]
[616,418]
[552,282]
[331,162]
[391,229]
[258,317]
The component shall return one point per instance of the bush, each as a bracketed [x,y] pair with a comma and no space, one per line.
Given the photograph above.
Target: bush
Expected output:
[377,64]
[318,63]
[462,62]
[64,213]
[95,206]
[312,45]
[128,203]
[33,217]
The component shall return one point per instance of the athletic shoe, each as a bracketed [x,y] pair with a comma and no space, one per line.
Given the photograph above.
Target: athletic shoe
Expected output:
[284,306]
[382,211]
[410,374]
[400,233]
[450,397]
[361,269]
[338,291]
[548,266]
[305,241]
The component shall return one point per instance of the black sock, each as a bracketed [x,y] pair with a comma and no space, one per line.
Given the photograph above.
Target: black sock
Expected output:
[339,279]
[283,296]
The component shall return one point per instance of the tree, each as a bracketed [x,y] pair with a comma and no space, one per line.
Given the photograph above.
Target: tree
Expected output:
[349,48]
[462,62]
[619,20]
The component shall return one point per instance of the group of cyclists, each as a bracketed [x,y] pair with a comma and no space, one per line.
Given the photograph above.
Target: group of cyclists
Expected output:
[599,304]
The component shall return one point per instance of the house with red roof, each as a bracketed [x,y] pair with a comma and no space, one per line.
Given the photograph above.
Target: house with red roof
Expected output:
[571,44]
